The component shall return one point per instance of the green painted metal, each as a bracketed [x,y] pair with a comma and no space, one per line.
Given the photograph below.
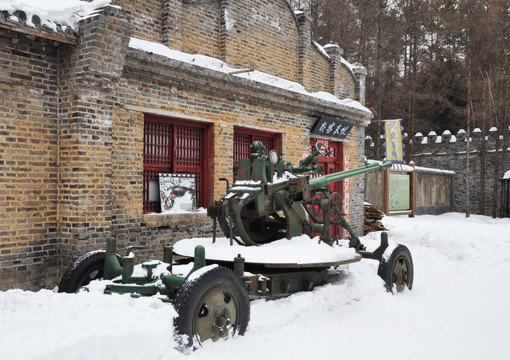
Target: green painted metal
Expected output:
[251,211]
[322,181]
[377,253]
[112,267]
[239,265]
[199,261]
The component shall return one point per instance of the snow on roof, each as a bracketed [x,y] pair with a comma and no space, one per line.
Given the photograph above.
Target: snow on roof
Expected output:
[48,14]
[54,14]
[321,49]
[415,168]
[433,170]
[349,66]
[254,75]
[506,175]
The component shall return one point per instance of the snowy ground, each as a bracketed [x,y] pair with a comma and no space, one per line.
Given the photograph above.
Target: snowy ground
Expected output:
[459,308]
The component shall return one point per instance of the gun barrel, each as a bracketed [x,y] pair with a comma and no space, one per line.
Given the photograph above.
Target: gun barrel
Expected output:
[330,178]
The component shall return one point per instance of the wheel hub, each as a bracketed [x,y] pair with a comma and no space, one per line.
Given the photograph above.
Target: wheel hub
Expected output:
[216,315]
[400,274]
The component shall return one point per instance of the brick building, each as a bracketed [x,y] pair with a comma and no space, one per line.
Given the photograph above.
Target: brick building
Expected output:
[91,113]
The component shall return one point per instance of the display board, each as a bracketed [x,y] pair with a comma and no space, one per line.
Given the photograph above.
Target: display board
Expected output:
[399,192]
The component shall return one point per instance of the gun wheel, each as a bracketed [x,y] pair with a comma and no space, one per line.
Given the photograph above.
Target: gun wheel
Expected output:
[83,270]
[212,306]
[397,272]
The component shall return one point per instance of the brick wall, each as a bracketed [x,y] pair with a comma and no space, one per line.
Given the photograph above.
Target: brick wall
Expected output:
[256,34]
[28,158]
[319,72]
[146,17]
[89,74]
[262,35]
[346,85]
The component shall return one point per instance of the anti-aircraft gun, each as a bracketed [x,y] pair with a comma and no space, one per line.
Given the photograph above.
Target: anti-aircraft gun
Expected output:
[271,200]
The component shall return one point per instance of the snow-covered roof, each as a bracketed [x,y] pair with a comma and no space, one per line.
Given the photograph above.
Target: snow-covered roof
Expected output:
[321,49]
[433,170]
[52,16]
[506,175]
[253,75]
[62,17]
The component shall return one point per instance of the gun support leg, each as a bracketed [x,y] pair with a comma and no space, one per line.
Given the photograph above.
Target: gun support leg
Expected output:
[214,226]
[354,240]
[377,253]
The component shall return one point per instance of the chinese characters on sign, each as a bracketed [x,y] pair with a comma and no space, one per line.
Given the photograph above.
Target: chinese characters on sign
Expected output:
[393,140]
[333,127]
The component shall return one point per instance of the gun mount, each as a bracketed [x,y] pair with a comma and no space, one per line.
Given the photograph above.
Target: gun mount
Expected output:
[270,200]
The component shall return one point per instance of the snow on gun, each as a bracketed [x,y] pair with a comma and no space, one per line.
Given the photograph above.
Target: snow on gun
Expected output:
[269,203]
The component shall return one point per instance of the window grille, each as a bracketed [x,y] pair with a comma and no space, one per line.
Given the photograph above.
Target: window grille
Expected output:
[171,147]
[243,139]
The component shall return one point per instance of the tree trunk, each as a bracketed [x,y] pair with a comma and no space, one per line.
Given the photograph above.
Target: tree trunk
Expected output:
[468,134]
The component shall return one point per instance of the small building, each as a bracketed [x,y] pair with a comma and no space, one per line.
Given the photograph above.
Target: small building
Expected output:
[92,112]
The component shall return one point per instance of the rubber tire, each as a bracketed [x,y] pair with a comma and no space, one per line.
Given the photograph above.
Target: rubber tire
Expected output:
[192,292]
[82,271]
[400,254]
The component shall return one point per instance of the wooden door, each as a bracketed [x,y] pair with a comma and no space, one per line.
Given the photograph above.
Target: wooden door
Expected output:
[332,162]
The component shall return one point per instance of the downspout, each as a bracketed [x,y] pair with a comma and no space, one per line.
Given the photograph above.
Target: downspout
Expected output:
[59,172]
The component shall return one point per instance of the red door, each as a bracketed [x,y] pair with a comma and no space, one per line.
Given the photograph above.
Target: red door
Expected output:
[332,162]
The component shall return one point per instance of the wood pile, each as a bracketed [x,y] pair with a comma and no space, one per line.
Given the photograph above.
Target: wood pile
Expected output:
[372,219]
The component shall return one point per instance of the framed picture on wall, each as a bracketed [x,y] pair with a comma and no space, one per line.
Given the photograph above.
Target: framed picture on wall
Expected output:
[177,192]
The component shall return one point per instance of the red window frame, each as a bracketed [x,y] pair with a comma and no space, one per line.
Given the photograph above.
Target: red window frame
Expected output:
[174,146]
[243,137]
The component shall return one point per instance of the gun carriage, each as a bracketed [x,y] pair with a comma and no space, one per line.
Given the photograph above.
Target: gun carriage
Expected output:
[269,208]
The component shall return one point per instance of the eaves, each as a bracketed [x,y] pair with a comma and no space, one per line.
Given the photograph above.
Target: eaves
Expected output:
[191,76]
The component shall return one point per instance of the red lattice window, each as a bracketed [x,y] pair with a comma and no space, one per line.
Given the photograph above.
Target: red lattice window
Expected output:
[244,137]
[170,146]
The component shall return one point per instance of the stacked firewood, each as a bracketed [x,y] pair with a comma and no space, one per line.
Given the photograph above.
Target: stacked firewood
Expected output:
[372,219]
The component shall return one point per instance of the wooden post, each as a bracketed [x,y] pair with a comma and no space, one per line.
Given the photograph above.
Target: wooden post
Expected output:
[386,191]
[412,177]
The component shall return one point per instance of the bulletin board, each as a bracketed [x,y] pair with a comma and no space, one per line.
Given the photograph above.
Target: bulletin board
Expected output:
[398,192]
